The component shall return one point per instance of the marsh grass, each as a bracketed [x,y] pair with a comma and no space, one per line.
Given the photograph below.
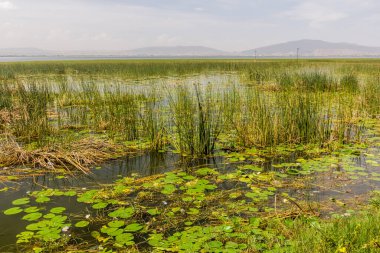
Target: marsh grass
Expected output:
[314,102]
[371,98]
[153,118]
[6,96]
[196,120]
[359,233]
[350,82]
[31,122]
[288,117]
[317,81]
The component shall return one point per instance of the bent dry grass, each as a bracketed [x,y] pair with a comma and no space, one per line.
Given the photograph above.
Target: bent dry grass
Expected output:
[282,129]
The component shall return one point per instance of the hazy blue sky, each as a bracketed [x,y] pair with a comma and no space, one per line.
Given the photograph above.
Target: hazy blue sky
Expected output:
[224,24]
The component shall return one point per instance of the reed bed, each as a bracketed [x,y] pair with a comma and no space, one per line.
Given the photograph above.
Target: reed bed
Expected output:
[276,103]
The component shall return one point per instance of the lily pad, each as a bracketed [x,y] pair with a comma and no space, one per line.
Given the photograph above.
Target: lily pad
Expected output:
[100,205]
[133,227]
[13,210]
[32,216]
[82,224]
[57,210]
[22,201]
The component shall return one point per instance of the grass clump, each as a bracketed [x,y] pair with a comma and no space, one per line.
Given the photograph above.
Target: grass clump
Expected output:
[350,82]
[196,119]
[31,108]
[359,233]
[371,98]
[317,81]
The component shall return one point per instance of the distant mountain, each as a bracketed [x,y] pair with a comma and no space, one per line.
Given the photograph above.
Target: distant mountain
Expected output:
[140,52]
[307,48]
[314,48]
[176,51]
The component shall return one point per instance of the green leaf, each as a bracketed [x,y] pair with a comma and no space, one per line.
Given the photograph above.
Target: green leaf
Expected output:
[36,226]
[254,221]
[125,239]
[42,199]
[31,209]
[193,211]
[82,224]
[168,189]
[116,224]
[58,219]
[133,227]
[111,231]
[215,244]
[49,215]
[57,210]
[24,237]
[206,171]
[70,193]
[153,211]
[122,212]
[22,201]
[13,210]
[32,216]
[100,205]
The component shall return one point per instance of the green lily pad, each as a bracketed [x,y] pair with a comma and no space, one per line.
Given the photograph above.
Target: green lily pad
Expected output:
[32,216]
[57,210]
[122,212]
[13,210]
[42,199]
[133,227]
[100,205]
[82,224]
[125,239]
[116,224]
[31,209]
[19,202]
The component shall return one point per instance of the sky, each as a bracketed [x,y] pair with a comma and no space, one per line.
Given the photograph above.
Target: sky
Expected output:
[231,25]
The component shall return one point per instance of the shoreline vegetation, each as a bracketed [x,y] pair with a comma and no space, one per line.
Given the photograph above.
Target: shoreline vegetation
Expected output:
[287,130]
[282,103]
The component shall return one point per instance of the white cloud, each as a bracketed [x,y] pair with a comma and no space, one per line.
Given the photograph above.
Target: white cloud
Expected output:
[7,5]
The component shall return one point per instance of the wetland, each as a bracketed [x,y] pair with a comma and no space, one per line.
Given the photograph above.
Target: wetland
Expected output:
[224,155]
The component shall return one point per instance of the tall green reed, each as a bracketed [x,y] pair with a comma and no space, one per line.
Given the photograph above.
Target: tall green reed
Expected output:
[196,119]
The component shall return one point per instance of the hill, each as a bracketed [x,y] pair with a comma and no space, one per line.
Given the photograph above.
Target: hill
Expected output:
[314,48]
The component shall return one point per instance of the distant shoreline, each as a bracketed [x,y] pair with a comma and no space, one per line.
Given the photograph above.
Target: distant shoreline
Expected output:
[98,57]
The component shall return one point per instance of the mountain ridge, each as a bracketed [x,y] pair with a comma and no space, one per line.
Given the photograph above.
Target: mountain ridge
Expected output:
[306,48]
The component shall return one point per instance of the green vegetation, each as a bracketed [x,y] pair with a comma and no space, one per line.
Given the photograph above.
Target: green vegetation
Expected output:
[205,210]
[293,104]
[284,131]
